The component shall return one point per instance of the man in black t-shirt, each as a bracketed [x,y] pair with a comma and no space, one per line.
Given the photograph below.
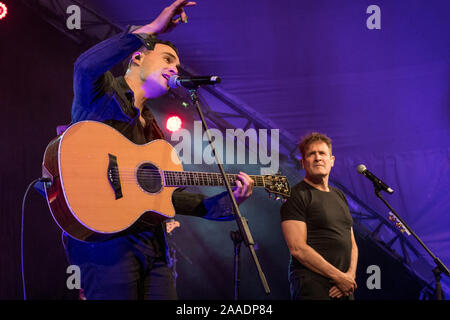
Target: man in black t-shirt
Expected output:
[317,227]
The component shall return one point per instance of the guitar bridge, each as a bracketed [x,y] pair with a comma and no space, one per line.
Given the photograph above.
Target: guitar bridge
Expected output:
[113,176]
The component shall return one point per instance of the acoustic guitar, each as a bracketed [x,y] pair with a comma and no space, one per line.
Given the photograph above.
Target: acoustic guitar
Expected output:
[102,183]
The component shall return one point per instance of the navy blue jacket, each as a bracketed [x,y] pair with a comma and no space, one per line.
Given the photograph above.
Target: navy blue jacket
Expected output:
[99,96]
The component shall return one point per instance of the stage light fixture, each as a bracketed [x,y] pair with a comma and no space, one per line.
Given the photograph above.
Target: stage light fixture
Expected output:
[173,123]
[3,10]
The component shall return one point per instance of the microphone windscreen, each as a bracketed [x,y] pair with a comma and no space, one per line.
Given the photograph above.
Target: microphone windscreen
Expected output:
[215,79]
[361,168]
[173,82]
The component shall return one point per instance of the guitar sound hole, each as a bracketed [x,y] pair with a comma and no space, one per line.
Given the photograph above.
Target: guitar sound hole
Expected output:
[149,178]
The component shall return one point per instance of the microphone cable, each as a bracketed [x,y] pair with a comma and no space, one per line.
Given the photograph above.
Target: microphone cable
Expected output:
[45,180]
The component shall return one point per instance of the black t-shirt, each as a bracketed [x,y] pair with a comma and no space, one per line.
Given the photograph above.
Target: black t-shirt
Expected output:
[328,222]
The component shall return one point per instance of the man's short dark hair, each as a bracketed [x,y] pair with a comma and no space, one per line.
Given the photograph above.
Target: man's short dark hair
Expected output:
[150,46]
[313,137]
[154,41]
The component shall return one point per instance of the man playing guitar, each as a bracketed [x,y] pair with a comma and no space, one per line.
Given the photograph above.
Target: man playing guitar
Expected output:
[133,264]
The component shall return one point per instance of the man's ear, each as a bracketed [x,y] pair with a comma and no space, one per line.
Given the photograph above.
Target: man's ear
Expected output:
[332,161]
[136,58]
[301,161]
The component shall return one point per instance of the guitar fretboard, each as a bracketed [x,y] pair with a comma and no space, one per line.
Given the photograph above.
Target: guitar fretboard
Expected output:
[189,178]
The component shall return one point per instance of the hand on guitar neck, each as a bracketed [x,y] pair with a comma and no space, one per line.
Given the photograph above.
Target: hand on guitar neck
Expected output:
[244,187]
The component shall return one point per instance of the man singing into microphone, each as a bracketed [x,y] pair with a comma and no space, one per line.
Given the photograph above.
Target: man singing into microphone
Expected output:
[134,265]
[317,227]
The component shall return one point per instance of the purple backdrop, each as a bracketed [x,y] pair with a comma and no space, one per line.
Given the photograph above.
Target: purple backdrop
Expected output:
[381,95]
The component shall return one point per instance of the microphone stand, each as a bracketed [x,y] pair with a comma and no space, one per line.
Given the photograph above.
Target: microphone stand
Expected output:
[237,240]
[440,267]
[241,222]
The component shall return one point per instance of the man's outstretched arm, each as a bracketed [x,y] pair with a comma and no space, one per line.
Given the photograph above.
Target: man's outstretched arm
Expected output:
[96,61]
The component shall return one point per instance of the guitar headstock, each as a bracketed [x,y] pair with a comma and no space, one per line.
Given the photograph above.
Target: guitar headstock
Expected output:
[277,185]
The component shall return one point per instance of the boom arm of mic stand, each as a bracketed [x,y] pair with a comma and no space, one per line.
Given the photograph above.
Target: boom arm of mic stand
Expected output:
[440,267]
[241,222]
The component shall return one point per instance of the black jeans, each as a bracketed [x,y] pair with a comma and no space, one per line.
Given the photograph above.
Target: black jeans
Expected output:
[308,285]
[130,267]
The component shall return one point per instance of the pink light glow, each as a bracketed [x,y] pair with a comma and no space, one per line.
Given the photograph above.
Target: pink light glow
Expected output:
[3,10]
[173,123]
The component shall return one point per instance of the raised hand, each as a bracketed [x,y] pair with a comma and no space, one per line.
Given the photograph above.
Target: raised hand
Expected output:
[168,19]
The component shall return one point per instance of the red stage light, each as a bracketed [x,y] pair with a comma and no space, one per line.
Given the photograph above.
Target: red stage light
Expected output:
[3,10]
[173,123]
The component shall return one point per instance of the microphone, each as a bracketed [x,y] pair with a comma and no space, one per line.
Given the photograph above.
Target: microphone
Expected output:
[369,175]
[192,82]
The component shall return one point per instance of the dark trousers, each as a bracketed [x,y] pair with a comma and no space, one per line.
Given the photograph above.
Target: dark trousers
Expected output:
[308,285]
[125,268]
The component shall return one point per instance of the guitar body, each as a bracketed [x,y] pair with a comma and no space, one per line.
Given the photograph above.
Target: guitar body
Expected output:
[102,183]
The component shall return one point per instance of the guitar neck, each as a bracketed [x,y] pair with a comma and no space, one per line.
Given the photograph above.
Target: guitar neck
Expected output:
[189,178]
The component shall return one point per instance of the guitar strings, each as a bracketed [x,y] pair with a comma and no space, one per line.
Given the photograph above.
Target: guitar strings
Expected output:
[184,176]
[132,178]
[171,181]
[128,174]
[179,178]
[156,174]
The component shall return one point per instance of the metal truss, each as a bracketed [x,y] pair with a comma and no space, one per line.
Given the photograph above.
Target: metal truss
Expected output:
[95,28]
[367,222]
[224,111]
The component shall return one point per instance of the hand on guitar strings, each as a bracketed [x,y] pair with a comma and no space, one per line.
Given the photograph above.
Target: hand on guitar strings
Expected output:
[244,187]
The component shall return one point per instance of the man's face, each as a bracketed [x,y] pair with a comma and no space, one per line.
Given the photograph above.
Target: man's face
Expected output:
[155,69]
[318,160]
